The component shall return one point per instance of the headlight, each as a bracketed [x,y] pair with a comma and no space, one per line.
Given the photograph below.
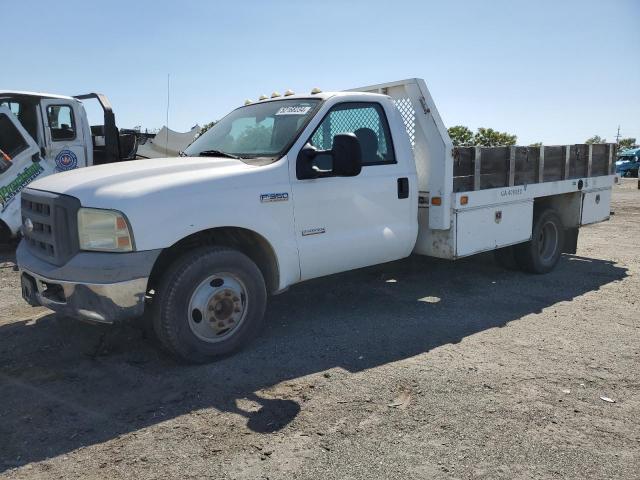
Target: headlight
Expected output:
[103,230]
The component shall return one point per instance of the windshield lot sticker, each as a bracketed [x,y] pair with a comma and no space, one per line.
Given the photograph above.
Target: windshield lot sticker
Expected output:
[9,192]
[293,110]
[66,160]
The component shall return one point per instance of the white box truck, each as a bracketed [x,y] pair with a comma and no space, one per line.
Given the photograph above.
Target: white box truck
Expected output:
[286,189]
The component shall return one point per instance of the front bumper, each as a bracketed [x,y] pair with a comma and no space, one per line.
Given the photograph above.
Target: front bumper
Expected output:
[94,302]
[94,286]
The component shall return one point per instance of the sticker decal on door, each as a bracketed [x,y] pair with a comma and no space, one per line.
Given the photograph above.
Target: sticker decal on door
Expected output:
[10,191]
[66,160]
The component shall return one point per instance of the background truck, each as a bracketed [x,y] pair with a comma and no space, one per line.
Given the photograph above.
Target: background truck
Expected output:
[287,189]
[628,162]
[41,134]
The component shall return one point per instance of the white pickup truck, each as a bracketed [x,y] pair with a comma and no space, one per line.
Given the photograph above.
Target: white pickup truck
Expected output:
[286,189]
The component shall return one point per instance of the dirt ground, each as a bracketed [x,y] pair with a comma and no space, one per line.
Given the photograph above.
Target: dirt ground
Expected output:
[415,369]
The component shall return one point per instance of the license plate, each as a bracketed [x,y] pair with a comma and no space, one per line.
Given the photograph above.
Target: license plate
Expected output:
[29,289]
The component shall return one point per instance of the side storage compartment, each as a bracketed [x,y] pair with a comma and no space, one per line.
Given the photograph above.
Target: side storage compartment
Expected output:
[596,206]
[488,228]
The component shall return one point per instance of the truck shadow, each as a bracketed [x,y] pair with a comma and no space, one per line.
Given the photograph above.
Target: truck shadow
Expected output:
[62,389]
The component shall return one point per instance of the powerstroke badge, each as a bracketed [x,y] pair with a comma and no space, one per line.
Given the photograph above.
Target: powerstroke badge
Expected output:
[313,231]
[66,160]
[274,197]
[9,192]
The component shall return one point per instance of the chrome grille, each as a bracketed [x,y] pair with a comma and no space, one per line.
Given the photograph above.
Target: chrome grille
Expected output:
[49,225]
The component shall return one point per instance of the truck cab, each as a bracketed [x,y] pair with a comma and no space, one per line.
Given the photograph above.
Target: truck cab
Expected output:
[286,189]
[58,126]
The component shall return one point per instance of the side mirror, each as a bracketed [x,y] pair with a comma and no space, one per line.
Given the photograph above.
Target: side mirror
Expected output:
[347,155]
[306,162]
[343,160]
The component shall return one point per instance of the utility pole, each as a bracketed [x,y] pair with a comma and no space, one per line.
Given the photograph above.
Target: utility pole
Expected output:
[618,135]
[166,144]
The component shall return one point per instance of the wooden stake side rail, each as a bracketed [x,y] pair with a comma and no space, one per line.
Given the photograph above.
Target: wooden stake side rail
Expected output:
[481,168]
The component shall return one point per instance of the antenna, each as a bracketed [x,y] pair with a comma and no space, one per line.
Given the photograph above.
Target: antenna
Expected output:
[166,144]
[618,135]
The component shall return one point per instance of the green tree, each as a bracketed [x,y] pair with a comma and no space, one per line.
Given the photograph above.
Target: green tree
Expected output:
[253,139]
[595,139]
[206,127]
[536,144]
[626,143]
[488,137]
[461,136]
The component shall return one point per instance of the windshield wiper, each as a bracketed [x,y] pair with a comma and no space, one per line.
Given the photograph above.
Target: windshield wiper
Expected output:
[217,153]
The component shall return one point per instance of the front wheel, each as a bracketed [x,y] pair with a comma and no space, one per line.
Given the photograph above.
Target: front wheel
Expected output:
[542,252]
[210,303]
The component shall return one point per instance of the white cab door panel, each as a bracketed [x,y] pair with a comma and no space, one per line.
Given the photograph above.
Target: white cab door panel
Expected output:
[344,223]
[64,134]
[19,166]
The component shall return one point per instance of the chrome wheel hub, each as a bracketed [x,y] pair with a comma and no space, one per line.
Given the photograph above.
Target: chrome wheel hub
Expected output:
[217,307]
[548,241]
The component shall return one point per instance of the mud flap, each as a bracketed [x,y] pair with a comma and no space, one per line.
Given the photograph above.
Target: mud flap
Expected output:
[570,240]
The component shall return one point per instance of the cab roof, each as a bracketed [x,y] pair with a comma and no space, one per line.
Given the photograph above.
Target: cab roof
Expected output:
[310,96]
[18,93]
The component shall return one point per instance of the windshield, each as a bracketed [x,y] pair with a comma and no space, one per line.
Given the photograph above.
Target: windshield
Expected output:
[262,130]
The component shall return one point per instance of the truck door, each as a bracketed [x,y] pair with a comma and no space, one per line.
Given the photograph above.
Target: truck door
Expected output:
[19,165]
[65,143]
[344,223]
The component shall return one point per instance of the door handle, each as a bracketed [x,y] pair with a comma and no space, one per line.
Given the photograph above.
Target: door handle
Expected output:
[403,187]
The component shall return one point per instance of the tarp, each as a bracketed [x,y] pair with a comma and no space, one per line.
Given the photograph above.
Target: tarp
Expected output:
[167,143]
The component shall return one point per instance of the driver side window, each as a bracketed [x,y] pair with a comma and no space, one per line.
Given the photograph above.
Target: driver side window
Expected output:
[61,122]
[366,121]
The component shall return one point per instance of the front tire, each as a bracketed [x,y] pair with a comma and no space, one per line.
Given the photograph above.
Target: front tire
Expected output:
[542,253]
[210,303]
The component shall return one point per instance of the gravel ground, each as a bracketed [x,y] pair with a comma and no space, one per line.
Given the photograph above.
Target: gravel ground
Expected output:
[415,369]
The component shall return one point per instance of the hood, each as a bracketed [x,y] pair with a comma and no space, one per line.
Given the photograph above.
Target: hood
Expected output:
[629,152]
[95,185]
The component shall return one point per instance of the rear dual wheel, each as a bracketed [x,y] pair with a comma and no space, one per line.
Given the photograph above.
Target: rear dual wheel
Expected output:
[540,254]
[210,303]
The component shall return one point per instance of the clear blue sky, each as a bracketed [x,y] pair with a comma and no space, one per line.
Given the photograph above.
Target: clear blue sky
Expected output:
[552,71]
